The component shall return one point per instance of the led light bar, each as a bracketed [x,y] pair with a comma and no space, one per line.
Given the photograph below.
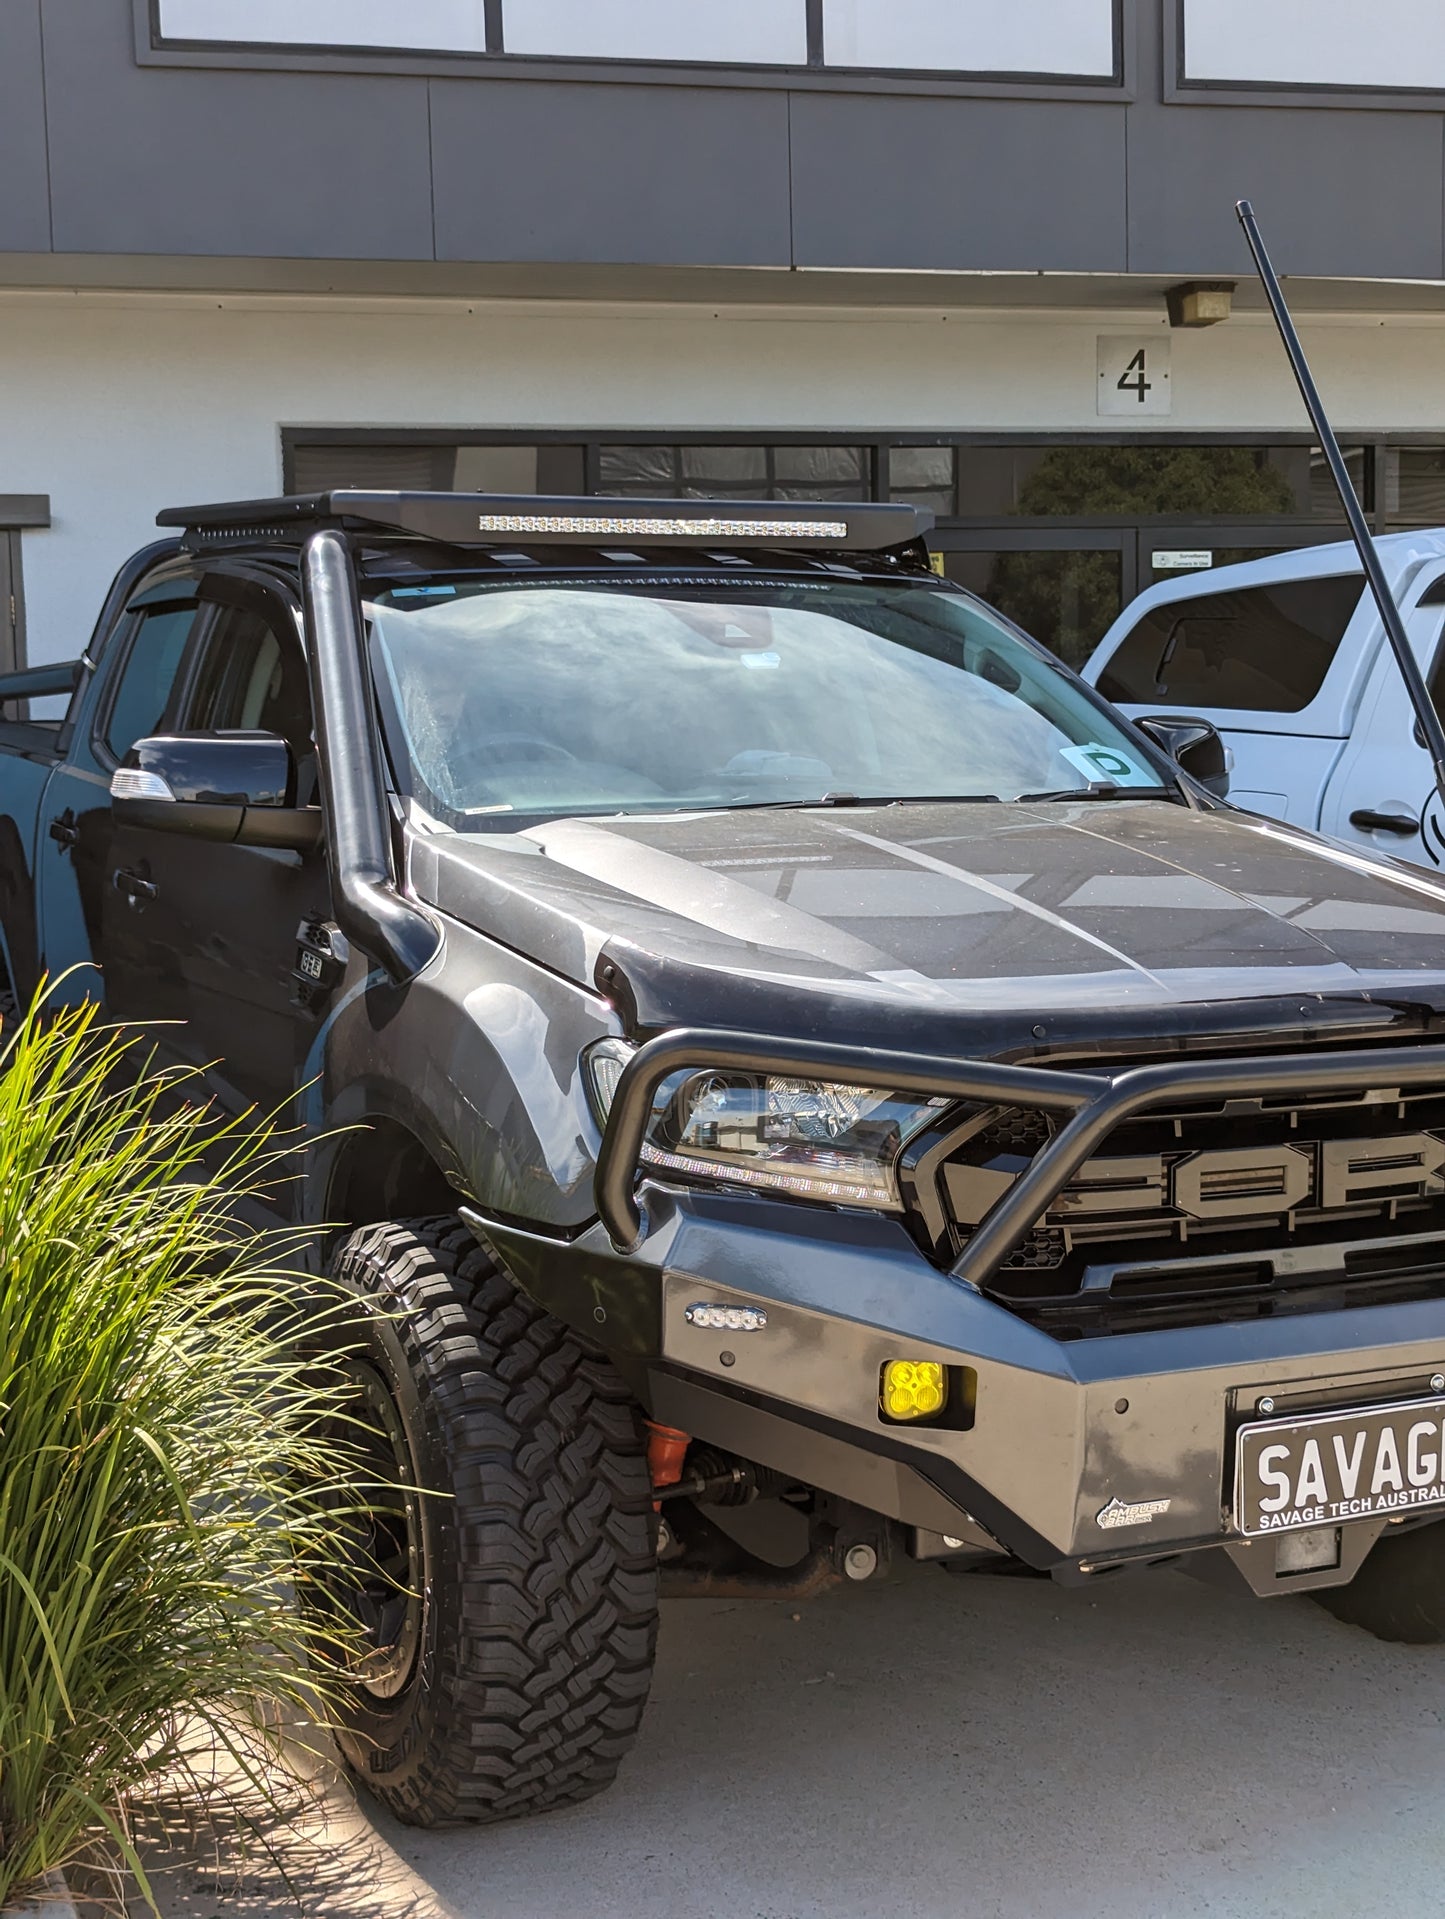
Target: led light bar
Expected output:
[632,526]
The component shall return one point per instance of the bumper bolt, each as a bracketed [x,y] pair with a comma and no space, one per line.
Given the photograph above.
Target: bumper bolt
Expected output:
[1437,1382]
[860,1562]
[1266,1405]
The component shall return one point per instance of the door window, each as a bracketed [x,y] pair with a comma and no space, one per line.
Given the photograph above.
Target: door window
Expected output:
[148,675]
[251,678]
[1263,649]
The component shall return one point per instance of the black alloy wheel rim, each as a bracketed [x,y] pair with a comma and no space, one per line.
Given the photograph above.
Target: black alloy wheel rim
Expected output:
[381,1584]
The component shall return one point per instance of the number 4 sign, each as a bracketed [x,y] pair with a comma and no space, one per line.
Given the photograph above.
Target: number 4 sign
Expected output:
[1134,374]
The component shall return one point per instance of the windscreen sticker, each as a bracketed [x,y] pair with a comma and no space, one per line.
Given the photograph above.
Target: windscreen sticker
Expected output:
[1107,763]
[759,660]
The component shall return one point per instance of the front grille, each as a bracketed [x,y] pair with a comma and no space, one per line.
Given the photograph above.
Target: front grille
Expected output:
[1199,1213]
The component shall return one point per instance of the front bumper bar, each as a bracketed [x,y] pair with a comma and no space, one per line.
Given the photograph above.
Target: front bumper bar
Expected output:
[1092,1104]
[1061,1432]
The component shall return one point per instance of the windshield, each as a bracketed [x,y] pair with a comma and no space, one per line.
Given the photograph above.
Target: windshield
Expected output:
[511,703]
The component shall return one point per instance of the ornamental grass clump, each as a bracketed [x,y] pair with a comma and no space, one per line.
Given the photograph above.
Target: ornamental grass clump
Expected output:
[172,1449]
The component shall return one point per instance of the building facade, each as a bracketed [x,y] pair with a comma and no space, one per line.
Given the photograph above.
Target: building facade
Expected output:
[914,249]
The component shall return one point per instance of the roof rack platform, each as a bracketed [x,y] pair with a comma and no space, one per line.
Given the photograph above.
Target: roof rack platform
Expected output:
[490,520]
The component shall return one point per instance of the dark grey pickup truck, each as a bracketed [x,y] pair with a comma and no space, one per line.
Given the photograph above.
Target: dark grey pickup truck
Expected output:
[801,1079]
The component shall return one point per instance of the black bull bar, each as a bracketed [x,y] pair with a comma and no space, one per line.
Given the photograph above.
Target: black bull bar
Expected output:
[1094,1103]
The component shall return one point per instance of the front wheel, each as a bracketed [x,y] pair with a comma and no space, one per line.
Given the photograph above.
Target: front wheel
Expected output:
[1399,1592]
[510,1603]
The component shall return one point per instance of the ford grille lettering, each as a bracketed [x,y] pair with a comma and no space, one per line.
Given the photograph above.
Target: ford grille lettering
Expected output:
[1246,1182]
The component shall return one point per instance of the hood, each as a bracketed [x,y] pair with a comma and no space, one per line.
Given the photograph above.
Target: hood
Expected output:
[935,923]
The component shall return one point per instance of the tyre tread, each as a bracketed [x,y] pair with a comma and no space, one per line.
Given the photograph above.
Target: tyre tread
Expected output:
[547,1607]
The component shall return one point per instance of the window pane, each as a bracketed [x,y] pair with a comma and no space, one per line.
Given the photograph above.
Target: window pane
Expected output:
[252,678]
[1067,600]
[1200,480]
[426,469]
[454,26]
[496,469]
[1189,482]
[1324,502]
[805,466]
[767,31]
[924,476]
[737,472]
[978,36]
[920,466]
[724,465]
[147,677]
[629,468]
[1263,649]
[1417,486]
[1301,43]
[940,505]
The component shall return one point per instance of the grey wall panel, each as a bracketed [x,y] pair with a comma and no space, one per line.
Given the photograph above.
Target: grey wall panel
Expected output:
[24,192]
[588,173]
[1353,194]
[898,181]
[158,160]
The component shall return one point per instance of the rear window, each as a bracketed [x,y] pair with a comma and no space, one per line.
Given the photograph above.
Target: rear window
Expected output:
[1263,649]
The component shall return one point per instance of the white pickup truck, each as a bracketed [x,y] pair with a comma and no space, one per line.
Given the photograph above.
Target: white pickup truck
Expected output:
[1288,657]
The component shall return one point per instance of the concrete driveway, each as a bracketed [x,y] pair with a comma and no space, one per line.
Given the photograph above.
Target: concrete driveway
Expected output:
[967,1747]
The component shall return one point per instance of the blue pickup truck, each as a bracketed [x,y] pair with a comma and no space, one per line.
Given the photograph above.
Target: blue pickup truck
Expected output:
[765,1032]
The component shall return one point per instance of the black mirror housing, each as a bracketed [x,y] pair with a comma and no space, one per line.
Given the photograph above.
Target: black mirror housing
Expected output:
[1195,747]
[237,788]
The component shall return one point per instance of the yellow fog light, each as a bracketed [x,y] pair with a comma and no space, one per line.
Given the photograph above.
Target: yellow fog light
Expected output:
[913,1389]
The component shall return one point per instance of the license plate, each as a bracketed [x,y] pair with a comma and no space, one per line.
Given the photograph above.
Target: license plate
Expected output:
[1333,1467]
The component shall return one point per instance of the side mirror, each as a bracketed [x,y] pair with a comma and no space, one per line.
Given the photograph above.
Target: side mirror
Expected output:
[239,788]
[1195,747]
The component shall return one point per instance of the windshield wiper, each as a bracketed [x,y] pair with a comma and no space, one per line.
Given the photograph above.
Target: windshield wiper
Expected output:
[1098,790]
[861,799]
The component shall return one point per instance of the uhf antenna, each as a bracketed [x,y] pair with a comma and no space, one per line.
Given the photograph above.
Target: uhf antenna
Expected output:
[1431,731]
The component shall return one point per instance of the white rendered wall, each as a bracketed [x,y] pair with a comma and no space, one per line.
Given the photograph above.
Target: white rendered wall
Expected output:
[116,405]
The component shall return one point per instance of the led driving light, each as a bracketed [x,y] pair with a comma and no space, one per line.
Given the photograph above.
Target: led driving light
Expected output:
[727,1319]
[913,1389]
[808,1138]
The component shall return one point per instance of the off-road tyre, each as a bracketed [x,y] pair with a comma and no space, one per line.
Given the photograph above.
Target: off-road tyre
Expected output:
[536,1556]
[1399,1592]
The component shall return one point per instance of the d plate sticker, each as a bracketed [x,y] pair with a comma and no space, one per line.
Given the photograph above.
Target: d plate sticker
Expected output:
[1106,764]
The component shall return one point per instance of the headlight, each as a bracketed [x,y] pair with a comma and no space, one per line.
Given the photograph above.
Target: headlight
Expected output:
[802,1136]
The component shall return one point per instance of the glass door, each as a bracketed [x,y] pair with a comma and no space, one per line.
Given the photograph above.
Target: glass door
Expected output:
[1165,550]
[1062,585]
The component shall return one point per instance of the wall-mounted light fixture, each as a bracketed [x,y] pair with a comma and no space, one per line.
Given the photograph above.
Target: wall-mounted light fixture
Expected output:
[1200,302]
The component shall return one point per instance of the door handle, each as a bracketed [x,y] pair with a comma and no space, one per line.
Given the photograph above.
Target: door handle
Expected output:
[1370,821]
[64,830]
[133,886]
